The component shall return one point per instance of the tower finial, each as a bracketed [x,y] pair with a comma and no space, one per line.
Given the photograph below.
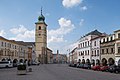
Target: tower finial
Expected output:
[41,10]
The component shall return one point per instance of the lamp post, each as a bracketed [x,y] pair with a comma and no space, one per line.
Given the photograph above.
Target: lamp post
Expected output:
[68,55]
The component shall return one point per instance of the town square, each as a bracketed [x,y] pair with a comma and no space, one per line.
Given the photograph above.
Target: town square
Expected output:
[59,40]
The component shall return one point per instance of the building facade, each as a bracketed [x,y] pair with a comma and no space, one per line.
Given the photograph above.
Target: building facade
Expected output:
[89,48]
[41,39]
[95,50]
[107,48]
[13,51]
[73,56]
[59,58]
[117,47]
[49,56]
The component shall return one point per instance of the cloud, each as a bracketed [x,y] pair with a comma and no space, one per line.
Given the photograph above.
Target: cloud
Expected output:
[84,8]
[56,39]
[81,22]
[57,35]
[71,3]
[22,34]
[2,33]
[20,29]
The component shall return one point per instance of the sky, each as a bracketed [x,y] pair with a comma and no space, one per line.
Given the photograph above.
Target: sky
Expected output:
[67,20]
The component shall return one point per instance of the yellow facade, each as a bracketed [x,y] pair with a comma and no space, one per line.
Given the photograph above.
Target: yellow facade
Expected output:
[12,50]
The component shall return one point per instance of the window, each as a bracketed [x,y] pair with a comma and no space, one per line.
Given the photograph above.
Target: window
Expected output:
[78,45]
[79,53]
[102,51]
[118,35]
[92,53]
[5,44]
[95,43]
[107,39]
[97,52]
[112,50]
[85,44]
[118,49]
[10,45]
[88,43]
[1,52]
[5,53]
[2,44]
[104,40]
[111,38]
[39,34]
[15,46]
[85,52]
[39,27]
[88,52]
[107,50]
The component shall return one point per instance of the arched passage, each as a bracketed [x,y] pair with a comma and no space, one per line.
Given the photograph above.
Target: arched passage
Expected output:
[83,61]
[97,62]
[21,61]
[93,62]
[3,59]
[88,61]
[104,62]
[79,60]
[111,61]
[15,62]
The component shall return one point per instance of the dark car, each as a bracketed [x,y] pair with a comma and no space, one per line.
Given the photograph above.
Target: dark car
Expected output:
[73,65]
[104,68]
[114,68]
[80,65]
[87,66]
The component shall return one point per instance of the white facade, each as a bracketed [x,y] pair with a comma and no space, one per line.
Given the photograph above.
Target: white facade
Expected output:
[84,49]
[95,50]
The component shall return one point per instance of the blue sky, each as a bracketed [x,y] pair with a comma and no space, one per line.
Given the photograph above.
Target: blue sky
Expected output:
[67,20]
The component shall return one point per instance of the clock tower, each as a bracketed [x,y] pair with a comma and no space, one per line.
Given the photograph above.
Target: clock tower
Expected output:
[41,39]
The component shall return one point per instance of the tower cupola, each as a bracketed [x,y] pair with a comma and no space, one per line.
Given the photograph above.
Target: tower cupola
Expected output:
[41,18]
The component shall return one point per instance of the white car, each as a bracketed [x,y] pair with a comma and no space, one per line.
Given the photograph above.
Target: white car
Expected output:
[35,63]
[6,64]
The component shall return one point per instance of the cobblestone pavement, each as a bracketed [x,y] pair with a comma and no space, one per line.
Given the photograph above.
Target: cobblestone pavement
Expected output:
[57,72]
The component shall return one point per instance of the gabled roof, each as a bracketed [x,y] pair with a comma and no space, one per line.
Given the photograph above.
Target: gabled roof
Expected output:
[25,43]
[95,32]
[2,38]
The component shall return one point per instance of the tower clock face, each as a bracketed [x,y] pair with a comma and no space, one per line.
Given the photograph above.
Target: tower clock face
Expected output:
[39,33]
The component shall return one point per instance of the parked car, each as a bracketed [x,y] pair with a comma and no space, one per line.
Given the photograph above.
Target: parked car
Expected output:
[15,64]
[104,68]
[6,64]
[87,66]
[35,63]
[80,65]
[97,67]
[114,68]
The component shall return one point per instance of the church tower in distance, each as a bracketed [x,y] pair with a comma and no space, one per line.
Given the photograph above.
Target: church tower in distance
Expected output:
[41,39]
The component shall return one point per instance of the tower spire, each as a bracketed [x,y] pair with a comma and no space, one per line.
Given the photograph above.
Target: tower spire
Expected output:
[41,10]
[41,18]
